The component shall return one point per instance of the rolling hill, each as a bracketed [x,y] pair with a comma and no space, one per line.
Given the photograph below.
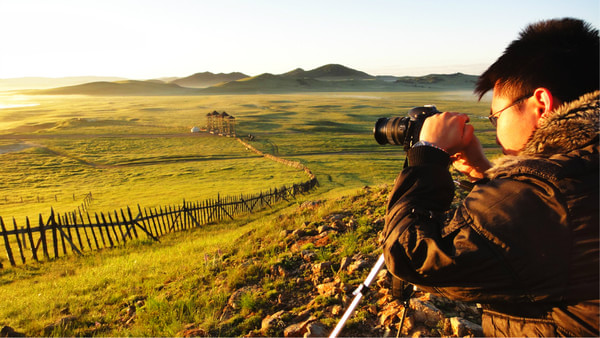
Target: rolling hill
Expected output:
[329,72]
[23,83]
[118,88]
[207,79]
[328,78]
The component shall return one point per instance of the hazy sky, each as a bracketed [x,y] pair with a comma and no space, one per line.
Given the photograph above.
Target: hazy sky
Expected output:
[142,39]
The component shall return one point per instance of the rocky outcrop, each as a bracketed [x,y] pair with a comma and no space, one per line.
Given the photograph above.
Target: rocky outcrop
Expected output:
[305,291]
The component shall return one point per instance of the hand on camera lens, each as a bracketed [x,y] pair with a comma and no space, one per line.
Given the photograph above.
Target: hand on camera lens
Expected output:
[448,131]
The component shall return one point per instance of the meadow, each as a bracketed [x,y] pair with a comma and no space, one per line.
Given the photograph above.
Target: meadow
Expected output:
[138,150]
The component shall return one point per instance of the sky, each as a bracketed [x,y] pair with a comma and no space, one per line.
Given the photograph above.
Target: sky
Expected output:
[146,39]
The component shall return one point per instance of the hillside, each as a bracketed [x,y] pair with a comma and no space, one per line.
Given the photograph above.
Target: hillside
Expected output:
[328,78]
[47,82]
[433,80]
[328,72]
[287,272]
[207,79]
[119,88]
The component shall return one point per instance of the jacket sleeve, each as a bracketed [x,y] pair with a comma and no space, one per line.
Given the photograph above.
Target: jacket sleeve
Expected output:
[452,258]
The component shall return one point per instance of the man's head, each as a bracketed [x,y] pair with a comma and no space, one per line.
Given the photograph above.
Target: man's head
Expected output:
[561,55]
[552,62]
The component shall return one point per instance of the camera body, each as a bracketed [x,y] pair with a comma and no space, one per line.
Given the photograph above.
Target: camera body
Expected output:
[403,130]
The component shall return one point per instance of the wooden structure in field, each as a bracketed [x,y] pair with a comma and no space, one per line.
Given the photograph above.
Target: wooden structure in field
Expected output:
[221,124]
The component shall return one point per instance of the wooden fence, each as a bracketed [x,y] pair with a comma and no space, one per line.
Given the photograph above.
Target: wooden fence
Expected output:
[79,231]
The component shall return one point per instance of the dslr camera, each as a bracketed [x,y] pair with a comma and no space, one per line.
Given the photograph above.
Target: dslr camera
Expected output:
[403,130]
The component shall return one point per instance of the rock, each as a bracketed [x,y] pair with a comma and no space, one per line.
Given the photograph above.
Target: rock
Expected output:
[233,301]
[323,228]
[61,322]
[300,329]
[351,224]
[308,256]
[272,321]
[316,329]
[336,310]
[130,311]
[358,264]
[346,261]
[462,327]
[8,331]
[311,204]
[327,289]
[390,313]
[425,312]
[295,330]
[322,240]
[319,268]
[191,331]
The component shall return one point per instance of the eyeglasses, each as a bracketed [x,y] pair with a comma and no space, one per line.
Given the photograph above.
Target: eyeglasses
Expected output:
[493,117]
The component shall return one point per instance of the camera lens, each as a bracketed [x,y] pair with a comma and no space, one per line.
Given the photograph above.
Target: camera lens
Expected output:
[390,130]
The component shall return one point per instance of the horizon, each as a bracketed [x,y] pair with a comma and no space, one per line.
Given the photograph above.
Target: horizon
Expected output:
[117,78]
[141,40]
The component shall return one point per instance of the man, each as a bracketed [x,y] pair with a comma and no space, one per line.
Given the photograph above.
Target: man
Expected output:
[524,242]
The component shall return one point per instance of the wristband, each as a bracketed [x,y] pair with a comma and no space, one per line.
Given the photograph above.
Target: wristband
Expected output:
[427,144]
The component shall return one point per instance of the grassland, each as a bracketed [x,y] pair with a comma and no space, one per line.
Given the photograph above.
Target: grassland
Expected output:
[138,150]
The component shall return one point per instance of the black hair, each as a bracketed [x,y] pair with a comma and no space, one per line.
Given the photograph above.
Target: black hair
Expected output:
[559,54]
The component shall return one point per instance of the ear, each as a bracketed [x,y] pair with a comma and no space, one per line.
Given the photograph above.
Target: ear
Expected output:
[544,103]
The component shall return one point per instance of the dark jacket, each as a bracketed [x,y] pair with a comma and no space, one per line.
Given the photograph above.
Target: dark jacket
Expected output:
[524,243]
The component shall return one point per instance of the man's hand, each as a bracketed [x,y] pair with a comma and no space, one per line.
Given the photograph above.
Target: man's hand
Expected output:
[471,161]
[451,132]
[448,131]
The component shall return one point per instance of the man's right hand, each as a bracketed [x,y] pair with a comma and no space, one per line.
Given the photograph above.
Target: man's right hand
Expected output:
[471,161]
[451,132]
[448,131]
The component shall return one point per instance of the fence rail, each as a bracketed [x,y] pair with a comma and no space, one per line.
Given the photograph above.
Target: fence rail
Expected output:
[79,231]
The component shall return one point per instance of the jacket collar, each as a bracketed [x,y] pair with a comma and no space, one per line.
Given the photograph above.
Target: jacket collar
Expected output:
[571,126]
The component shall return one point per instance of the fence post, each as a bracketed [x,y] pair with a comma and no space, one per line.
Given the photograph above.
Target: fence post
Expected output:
[99,226]
[74,221]
[59,228]
[93,231]
[19,244]
[52,223]
[7,244]
[132,225]
[43,238]
[120,226]
[31,242]
[112,225]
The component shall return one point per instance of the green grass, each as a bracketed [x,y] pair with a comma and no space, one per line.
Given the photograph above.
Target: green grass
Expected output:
[138,150]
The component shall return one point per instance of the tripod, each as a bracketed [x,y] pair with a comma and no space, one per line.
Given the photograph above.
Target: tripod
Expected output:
[358,295]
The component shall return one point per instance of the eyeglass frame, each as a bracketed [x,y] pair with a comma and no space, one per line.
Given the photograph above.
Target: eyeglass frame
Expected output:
[493,117]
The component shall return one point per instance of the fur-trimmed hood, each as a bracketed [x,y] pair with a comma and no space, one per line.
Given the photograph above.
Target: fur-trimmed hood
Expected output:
[571,126]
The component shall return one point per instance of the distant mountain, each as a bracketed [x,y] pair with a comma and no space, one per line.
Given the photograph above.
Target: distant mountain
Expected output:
[265,83]
[119,88]
[338,78]
[456,79]
[329,72]
[328,78]
[49,82]
[207,79]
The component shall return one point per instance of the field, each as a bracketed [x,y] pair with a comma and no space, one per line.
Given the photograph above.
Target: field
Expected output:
[138,150]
